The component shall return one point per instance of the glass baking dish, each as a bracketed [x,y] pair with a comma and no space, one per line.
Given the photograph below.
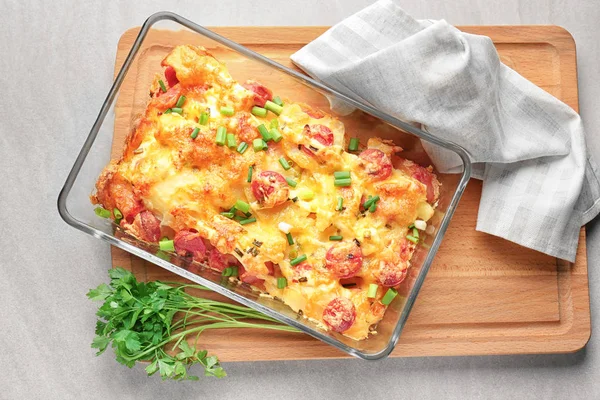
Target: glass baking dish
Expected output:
[158,35]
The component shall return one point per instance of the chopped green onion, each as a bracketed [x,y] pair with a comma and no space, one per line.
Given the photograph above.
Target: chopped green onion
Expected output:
[264,132]
[249,179]
[259,111]
[336,237]
[277,100]
[242,147]
[177,110]
[306,194]
[102,212]
[203,120]
[180,101]
[274,123]
[226,110]
[340,204]
[238,218]
[247,221]
[372,293]
[373,208]
[166,245]
[228,214]
[275,135]
[290,239]
[274,108]
[284,163]
[168,111]
[231,141]
[281,282]
[230,271]
[162,85]
[165,256]
[353,146]
[259,144]
[293,253]
[415,232]
[341,174]
[412,239]
[370,201]
[221,135]
[242,206]
[194,134]
[298,260]
[343,182]
[389,296]
[118,215]
[291,182]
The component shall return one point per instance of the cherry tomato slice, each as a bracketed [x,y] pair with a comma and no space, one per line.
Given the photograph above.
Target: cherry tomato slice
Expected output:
[171,76]
[270,189]
[344,259]
[339,314]
[377,164]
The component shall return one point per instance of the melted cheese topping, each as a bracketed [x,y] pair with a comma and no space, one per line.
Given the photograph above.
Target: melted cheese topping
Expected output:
[187,183]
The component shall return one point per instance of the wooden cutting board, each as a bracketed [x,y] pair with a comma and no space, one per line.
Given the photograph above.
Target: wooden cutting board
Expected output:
[483,295]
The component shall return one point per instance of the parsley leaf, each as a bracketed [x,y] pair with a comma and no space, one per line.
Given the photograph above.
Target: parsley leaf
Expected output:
[153,321]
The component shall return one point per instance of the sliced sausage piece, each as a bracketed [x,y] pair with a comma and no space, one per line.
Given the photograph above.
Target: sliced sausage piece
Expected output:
[344,259]
[246,132]
[339,314]
[301,271]
[249,278]
[391,274]
[316,114]
[376,163]
[270,189]
[166,100]
[217,260]
[270,267]
[425,176]
[147,226]
[320,133]
[187,241]
[261,92]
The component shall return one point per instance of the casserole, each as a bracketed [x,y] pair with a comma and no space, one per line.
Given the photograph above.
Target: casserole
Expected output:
[79,185]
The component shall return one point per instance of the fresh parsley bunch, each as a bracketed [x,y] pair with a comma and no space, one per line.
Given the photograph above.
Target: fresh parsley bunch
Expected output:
[152,322]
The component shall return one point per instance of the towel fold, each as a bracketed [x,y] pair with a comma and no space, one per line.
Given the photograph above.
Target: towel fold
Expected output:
[539,183]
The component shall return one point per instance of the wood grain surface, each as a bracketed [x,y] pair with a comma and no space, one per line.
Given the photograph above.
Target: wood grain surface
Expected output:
[483,295]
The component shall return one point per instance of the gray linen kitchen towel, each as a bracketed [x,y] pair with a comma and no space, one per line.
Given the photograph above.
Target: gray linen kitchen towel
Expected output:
[539,184]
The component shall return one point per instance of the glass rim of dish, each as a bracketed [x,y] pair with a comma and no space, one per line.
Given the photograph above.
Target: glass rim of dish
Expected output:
[404,126]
